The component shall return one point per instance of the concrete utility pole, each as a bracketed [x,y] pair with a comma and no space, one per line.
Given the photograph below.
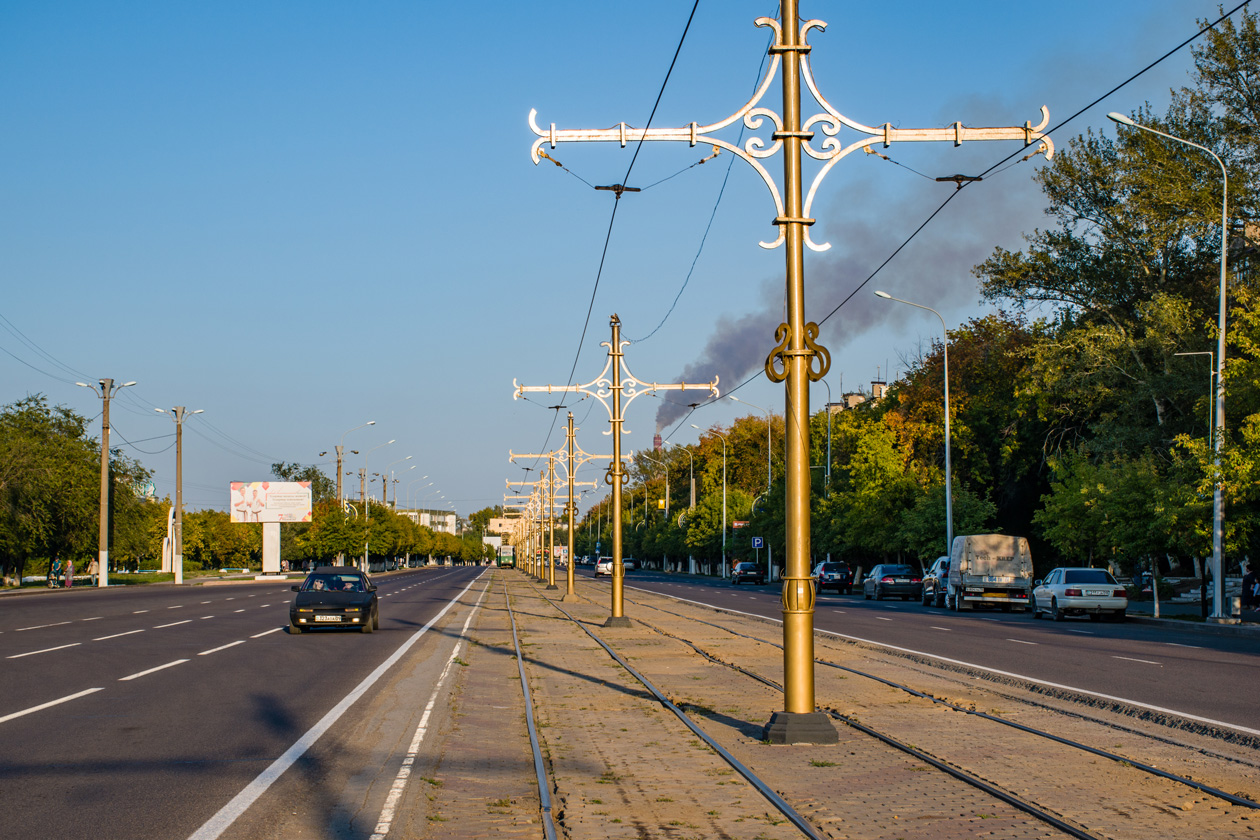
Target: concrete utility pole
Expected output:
[797,359]
[341,452]
[106,393]
[178,413]
[610,383]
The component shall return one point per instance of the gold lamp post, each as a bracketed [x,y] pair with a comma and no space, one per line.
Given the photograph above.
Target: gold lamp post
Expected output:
[615,382]
[797,359]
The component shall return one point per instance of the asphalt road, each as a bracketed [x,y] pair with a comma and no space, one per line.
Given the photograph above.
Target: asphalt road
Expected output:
[139,712]
[1194,675]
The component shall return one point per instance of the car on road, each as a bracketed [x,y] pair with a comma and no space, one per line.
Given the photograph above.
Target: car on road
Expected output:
[748,573]
[936,583]
[1079,591]
[335,596]
[604,567]
[835,574]
[892,580]
[629,564]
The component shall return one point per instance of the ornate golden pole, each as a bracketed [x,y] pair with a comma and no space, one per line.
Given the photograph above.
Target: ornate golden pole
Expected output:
[571,592]
[616,477]
[551,522]
[798,722]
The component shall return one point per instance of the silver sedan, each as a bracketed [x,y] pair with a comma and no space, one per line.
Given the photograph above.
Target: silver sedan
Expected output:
[1079,591]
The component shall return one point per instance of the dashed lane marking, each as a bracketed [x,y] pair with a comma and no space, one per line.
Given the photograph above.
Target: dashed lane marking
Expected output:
[41,626]
[266,632]
[221,647]
[45,650]
[1131,659]
[49,704]
[1022,642]
[173,624]
[153,670]
[116,635]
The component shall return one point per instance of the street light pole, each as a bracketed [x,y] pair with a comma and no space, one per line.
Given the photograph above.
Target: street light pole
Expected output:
[949,488]
[1218,512]
[723,437]
[340,452]
[178,413]
[106,394]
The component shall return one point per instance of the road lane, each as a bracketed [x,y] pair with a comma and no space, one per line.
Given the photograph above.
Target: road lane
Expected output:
[148,734]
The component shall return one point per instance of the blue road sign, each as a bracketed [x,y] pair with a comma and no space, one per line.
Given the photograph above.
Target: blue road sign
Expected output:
[758,542]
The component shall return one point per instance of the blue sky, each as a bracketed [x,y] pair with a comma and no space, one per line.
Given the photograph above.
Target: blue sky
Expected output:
[302,216]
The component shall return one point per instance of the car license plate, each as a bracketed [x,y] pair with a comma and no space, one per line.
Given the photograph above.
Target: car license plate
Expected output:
[1097,592]
[901,580]
[328,618]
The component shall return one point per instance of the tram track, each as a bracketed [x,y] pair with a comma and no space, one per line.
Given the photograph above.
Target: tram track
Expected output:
[1124,760]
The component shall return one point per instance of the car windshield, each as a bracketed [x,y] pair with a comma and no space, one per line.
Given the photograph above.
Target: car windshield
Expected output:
[898,570]
[1088,576]
[746,567]
[333,583]
[834,567]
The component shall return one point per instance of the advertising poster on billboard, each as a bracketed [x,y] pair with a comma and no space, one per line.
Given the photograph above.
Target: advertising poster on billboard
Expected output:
[270,501]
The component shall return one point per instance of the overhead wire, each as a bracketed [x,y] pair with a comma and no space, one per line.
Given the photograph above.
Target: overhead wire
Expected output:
[988,171]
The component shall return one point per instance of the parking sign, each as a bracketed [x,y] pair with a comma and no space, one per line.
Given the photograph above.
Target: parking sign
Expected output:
[758,543]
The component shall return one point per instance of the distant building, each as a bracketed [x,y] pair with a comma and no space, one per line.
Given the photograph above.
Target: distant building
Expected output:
[437,520]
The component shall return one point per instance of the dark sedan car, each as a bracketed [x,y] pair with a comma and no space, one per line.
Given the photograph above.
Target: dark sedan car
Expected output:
[335,596]
[748,573]
[892,580]
[835,574]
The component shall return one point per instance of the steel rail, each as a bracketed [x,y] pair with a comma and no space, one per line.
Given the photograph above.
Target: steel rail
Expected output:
[540,771]
[1146,768]
[773,798]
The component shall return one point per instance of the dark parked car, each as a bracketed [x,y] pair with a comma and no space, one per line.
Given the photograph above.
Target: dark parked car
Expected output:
[936,583]
[835,574]
[748,573]
[335,596]
[892,580]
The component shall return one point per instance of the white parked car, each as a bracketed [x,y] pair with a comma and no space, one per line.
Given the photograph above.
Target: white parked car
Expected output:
[1078,591]
[604,567]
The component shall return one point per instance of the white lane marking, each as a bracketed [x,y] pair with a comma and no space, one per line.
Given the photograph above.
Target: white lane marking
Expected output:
[946,629]
[41,626]
[982,618]
[388,810]
[173,624]
[267,632]
[205,602]
[204,617]
[839,612]
[231,599]
[1022,642]
[176,607]
[45,650]
[240,803]
[49,704]
[1082,632]
[238,610]
[1236,727]
[153,670]
[116,635]
[264,606]
[1131,659]
[1175,644]
[222,647]
[881,618]
[93,618]
[137,612]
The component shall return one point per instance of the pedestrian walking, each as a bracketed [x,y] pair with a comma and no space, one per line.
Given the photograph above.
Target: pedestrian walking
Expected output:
[93,569]
[69,573]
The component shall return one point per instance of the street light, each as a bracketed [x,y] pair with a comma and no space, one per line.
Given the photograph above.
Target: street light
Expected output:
[768,416]
[949,481]
[106,393]
[691,474]
[723,437]
[391,478]
[1218,595]
[178,413]
[340,450]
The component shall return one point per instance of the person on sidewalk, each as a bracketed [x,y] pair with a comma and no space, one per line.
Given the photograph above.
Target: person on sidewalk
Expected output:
[94,569]
[69,573]
[54,572]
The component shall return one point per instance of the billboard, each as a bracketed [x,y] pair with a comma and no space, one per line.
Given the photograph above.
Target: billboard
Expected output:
[270,501]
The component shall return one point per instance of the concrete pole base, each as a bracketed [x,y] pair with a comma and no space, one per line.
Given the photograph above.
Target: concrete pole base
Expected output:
[617,621]
[551,586]
[797,728]
[568,596]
